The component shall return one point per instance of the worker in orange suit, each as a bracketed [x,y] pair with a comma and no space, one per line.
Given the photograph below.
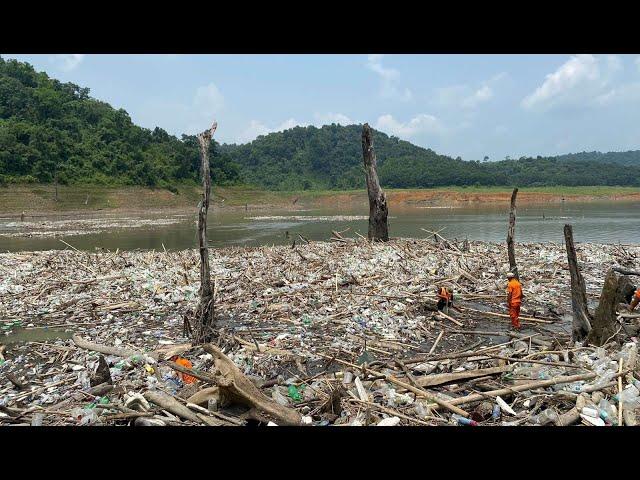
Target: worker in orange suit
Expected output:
[635,301]
[514,299]
[183,362]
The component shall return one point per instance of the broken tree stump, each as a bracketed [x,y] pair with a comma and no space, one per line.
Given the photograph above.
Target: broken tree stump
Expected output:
[511,235]
[581,317]
[204,328]
[239,388]
[603,323]
[378,210]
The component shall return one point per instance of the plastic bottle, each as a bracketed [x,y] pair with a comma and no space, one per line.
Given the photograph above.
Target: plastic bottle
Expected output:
[294,394]
[607,412]
[37,420]
[496,412]
[85,416]
[278,397]
[545,417]
[348,377]
[464,421]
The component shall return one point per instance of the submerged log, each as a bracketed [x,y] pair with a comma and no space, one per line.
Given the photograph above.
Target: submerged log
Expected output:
[204,328]
[378,210]
[581,317]
[511,234]
[603,324]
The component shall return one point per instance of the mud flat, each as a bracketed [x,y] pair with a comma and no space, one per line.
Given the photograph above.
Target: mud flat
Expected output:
[343,332]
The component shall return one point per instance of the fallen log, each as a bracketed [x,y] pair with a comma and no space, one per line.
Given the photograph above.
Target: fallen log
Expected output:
[442,378]
[237,386]
[521,388]
[165,402]
[107,350]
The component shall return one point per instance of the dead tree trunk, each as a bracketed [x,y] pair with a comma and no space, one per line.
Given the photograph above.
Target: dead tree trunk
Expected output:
[603,325]
[378,211]
[204,331]
[511,234]
[581,316]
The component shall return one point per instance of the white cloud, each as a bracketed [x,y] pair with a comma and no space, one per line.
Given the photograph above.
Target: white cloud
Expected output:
[577,82]
[422,123]
[257,128]
[481,95]
[67,61]
[208,100]
[389,79]
[624,93]
[329,118]
[463,96]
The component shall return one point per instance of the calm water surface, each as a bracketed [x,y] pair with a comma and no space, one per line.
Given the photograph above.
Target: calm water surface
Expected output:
[599,222]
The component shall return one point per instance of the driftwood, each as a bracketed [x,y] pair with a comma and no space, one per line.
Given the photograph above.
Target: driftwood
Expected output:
[442,378]
[170,404]
[203,331]
[511,234]
[603,324]
[521,388]
[378,209]
[581,317]
[118,352]
[238,387]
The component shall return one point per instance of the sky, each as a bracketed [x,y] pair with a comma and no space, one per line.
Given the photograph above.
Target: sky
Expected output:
[470,106]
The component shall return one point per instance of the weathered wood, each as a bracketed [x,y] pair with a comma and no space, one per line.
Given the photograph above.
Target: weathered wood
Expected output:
[118,352]
[581,316]
[238,387]
[624,271]
[204,328]
[603,323]
[378,210]
[166,402]
[442,378]
[521,388]
[511,235]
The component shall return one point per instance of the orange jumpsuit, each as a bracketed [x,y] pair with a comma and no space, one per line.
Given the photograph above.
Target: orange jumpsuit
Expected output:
[514,290]
[186,364]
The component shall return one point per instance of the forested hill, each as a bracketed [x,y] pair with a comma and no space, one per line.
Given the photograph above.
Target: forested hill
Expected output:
[50,129]
[331,157]
[630,158]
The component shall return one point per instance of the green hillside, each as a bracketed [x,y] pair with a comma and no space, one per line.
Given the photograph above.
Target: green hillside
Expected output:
[50,130]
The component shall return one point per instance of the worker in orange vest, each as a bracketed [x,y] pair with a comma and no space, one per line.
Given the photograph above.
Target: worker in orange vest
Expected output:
[445,299]
[635,301]
[514,299]
[183,362]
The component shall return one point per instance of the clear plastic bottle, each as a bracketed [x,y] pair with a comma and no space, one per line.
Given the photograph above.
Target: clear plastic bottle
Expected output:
[278,397]
[545,417]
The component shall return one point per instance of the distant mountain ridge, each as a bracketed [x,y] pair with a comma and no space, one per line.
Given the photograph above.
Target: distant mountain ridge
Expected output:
[53,131]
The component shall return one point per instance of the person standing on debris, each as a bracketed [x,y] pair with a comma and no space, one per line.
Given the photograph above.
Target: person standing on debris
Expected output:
[183,362]
[514,299]
[635,301]
[445,299]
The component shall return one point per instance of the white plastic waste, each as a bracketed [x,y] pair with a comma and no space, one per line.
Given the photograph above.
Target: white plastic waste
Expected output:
[389,422]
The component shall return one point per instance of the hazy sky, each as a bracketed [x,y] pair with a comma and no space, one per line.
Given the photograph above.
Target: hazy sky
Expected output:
[466,105]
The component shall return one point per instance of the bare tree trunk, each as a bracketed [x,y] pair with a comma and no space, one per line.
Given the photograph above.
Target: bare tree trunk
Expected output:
[511,234]
[581,316]
[204,329]
[603,325]
[378,211]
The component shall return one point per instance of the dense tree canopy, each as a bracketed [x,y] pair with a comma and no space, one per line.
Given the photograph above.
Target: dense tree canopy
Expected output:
[50,129]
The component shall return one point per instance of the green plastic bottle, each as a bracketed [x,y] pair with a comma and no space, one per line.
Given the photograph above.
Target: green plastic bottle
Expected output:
[294,394]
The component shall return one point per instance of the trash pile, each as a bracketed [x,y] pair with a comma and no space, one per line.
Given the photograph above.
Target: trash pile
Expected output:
[322,333]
